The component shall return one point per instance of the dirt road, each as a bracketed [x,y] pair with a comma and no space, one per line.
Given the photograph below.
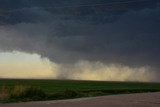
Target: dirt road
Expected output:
[126,100]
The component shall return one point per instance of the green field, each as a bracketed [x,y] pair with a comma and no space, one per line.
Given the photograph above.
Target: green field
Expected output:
[54,86]
[61,89]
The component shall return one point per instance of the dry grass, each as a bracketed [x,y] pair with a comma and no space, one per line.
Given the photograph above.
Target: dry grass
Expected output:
[21,93]
[18,90]
[4,93]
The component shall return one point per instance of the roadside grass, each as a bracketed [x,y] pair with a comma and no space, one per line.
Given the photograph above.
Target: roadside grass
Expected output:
[38,90]
[4,93]
[22,93]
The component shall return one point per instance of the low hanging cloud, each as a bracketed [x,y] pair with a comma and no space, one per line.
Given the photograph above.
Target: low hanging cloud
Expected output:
[118,42]
[132,39]
[86,70]
[24,65]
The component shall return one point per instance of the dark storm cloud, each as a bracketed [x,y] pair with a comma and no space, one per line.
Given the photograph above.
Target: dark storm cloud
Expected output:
[90,11]
[67,31]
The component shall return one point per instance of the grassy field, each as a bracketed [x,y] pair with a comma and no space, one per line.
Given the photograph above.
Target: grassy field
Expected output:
[63,89]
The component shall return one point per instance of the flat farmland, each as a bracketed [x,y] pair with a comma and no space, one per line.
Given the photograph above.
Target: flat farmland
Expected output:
[66,89]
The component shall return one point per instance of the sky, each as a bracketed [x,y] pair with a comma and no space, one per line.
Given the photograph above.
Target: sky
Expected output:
[108,40]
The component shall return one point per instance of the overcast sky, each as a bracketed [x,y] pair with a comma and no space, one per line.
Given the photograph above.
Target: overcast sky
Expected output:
[122,33]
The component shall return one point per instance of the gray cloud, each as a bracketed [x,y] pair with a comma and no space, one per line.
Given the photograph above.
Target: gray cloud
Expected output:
[93,12]
[125,34]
